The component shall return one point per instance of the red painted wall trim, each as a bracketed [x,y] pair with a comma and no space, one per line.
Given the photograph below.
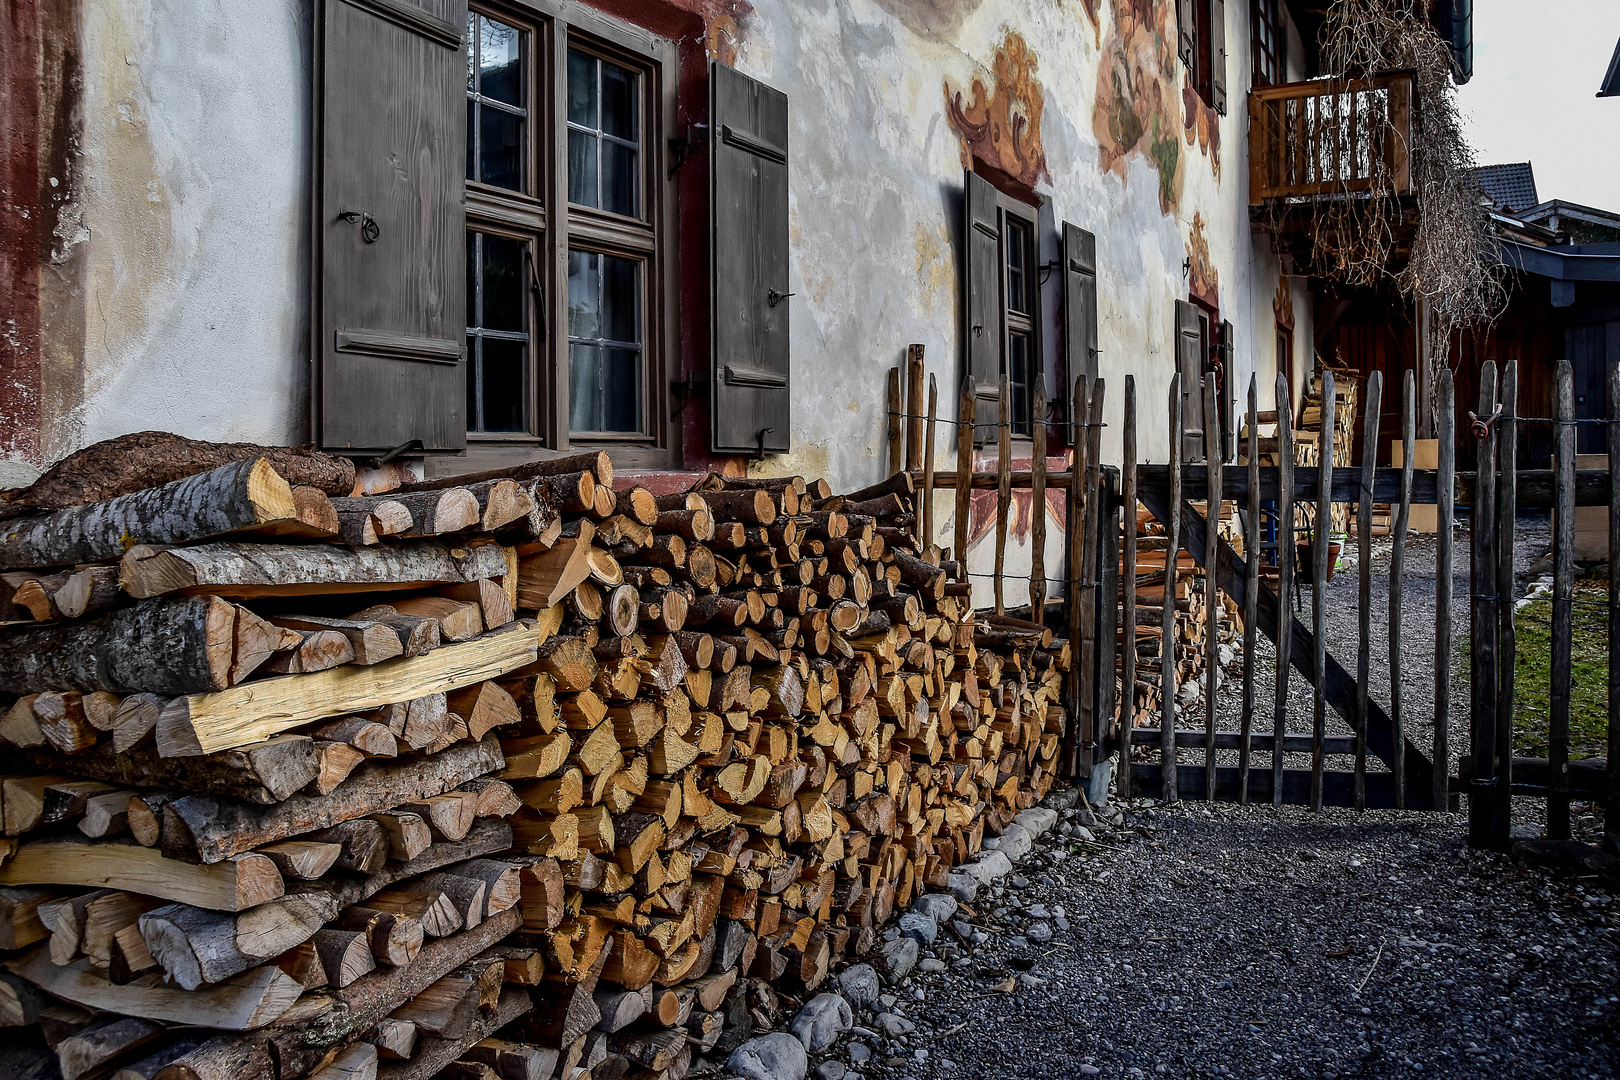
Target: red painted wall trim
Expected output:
[22,244]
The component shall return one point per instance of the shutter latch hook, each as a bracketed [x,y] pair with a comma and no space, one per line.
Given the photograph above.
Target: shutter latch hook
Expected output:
[773,297]
[369,229]
[759,437]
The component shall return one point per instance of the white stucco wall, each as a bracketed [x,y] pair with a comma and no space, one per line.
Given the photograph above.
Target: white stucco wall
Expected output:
[193,205]
[192,223]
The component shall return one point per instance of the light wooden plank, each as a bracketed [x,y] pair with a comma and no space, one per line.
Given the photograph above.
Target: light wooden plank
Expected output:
[242,1003]
[233,885]
[205,723]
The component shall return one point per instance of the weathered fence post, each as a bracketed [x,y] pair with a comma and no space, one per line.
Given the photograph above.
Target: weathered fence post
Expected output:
[1251,594]
[1088,576]
[1507,645]
[1128,523]
[965,409]
[914,420]
[896,447]
[1369,463]
[1482,609]
[1285,578]
[1037,508]
[1003,488]
[1323,553]
[1445,517]
[1611,815]
[1397,569]
[1563,619]
[1212,588]
[925,522]
[1169,787]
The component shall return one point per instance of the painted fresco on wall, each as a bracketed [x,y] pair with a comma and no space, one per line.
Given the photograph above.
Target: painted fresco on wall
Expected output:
[1203,280]
[1141,110]
[1000,124]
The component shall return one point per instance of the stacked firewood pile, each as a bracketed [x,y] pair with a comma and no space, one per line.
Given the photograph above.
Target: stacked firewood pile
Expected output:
[1186,588]
[307,783]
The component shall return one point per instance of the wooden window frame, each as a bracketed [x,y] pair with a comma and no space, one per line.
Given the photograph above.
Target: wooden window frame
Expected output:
[555,26]
[1268,62]
[1014,213]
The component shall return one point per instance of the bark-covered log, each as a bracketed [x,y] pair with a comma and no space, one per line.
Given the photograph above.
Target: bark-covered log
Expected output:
[242,495]
[170,646]
[250,570]
[207,829]
[147,459]
[263,773]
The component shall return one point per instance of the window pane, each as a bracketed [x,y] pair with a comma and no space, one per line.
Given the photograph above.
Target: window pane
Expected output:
[585,385]
[581,168]
[619,179]
[1017,268]
[619,300]
[502,284]
[604,334]
[472,52]
[584,294]
[618,101]
[497,335]
[500,148]
[500,57]
[472,139]
[503,364]
[1018,380]
[581,89]
[603,135]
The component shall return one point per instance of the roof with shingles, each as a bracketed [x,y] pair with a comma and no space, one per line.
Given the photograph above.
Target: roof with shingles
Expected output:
[1511,187]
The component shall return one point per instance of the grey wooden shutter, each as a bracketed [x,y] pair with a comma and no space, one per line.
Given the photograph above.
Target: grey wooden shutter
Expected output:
[1190,362]
[1079,309]
[748,167]
[1187,33]
[1217,55]
[983,315]
[390,231]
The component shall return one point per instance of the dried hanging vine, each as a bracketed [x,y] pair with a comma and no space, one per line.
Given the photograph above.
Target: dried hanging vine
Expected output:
[1353,238]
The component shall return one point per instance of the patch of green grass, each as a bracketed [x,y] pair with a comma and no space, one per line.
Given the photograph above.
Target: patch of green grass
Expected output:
[1589,675]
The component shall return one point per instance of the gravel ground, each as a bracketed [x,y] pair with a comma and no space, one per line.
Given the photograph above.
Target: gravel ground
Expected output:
[1259,942]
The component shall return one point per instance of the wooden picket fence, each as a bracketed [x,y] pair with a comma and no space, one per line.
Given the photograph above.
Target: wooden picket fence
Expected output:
[1098,608]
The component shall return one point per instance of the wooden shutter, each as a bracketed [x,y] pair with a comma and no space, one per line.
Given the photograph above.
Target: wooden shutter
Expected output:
[748,167]
[1187,34]
[1190,362]
[1228,394]
[983,313]
[1079,308]
[1217,55]
[390,230]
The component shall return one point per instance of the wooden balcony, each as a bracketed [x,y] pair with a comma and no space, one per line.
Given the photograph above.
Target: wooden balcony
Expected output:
[1331,138]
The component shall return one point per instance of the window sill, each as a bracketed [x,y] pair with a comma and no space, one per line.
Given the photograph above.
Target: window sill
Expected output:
[480,456]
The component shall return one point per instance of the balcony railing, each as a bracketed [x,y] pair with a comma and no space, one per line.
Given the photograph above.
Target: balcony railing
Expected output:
[1331,137]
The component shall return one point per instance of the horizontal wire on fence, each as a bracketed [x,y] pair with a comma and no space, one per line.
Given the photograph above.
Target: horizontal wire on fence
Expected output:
[994,425]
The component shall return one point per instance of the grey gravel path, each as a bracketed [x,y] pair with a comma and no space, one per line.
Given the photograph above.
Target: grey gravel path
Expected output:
[1255,942]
